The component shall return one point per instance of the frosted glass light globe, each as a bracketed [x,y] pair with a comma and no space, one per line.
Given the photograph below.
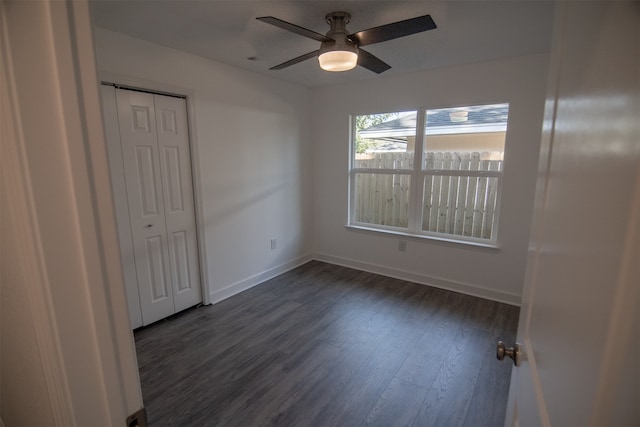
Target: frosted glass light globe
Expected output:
[338,60]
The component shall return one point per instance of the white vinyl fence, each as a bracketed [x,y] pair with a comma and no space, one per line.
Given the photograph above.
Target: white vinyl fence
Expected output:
[457,203]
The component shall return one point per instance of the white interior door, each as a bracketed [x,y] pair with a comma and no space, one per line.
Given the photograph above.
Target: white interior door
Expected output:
[119,187]
[149,156]
[141,158]
[175,165]
[579,322]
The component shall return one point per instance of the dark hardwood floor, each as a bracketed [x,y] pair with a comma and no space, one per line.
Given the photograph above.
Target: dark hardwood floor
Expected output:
[324,345]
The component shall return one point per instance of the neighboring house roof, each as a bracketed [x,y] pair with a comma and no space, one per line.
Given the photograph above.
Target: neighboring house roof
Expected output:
[483,118]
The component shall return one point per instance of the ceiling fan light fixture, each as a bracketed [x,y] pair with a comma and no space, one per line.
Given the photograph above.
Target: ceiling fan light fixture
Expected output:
[338,60]
[340,50]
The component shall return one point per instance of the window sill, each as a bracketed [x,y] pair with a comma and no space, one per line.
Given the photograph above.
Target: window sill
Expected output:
[449,241]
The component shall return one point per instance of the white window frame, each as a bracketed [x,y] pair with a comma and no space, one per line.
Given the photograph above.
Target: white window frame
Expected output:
[416,189]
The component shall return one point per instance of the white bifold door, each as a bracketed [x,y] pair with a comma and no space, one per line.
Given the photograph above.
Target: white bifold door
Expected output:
[148,145]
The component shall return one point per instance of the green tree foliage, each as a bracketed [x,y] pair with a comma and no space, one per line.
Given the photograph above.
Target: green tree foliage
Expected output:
[364,122]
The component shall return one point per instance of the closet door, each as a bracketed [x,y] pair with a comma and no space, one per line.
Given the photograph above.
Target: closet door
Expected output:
[141,159]
[175,166]
[119,187]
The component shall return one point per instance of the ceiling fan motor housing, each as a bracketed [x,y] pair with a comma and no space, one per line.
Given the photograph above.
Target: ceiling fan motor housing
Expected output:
[338,33]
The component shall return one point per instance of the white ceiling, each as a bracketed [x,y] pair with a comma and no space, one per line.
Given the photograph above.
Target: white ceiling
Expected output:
[227,31]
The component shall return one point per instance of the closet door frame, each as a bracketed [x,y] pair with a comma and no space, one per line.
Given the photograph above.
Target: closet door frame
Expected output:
[134,83]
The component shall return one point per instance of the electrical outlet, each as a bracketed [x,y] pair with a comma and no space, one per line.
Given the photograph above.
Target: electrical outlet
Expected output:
[402,245]
[273,244]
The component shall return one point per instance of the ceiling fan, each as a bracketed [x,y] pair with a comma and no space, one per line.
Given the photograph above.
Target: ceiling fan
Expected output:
[341,51]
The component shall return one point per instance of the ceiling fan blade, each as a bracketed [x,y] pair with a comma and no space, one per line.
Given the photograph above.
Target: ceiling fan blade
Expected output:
[372,63]
[393,30]
[296,60]
[294,28]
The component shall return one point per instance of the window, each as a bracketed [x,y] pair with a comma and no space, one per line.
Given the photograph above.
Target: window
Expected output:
[429,172]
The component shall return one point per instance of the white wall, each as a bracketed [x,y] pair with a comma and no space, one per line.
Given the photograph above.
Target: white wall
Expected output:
[251,137]
[495,274]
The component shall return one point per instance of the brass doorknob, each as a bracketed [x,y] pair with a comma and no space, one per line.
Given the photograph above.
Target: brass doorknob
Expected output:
[514,353]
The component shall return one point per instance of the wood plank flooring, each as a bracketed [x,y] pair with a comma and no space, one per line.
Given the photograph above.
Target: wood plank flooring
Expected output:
[324,345]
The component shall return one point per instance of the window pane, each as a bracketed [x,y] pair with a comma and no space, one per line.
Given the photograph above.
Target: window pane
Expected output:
[385,141]
[465,138]
[382,199]
[460,205]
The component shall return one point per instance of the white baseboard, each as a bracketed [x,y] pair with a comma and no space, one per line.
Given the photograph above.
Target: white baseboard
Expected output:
[464,288]
[250,282]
